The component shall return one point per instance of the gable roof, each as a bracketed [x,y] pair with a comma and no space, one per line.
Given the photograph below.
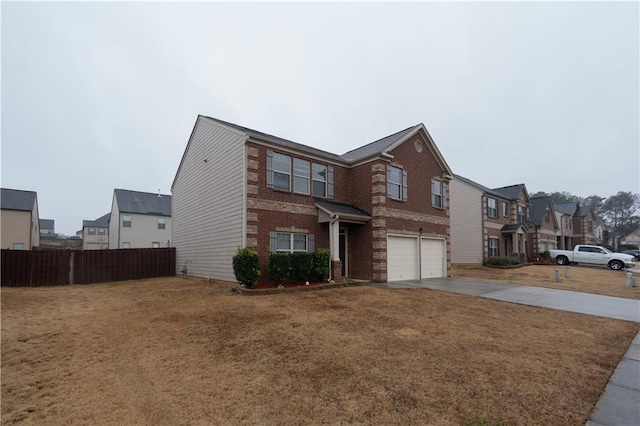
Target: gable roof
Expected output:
[566,208]
[379,146]
[582,211]
[539,208]
[15,199]
[481,187]
[46,224]
[143,202]
[512,192]
[101,222]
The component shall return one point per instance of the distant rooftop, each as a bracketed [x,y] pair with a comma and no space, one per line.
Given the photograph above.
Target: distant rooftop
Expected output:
[143,202]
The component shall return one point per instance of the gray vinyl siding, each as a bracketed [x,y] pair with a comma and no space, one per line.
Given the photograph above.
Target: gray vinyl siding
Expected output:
[466,223]
[208,201]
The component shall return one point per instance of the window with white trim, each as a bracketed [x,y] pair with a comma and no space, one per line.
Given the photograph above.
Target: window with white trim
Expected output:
[162,223]
[92,231]
[155,245]
[319,180]
[102,231]
[281,171]
[522,214]
[300,176]
[126,245]
[492,207]
[290,242]
[396,183]
[18,246]
[436,194]
[494,247]
[505,209]
[126,221]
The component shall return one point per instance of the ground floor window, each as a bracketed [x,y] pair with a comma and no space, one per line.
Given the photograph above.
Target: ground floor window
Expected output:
[126,245]
[291,242]
[494,247]
[18,246]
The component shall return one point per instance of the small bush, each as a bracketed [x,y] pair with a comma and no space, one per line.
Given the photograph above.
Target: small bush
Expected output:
[279,267]
[321,259]
[544,255]
[502,261]
[246,267]
[301,266]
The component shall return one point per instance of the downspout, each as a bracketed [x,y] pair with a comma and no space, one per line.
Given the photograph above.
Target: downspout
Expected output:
[334,219]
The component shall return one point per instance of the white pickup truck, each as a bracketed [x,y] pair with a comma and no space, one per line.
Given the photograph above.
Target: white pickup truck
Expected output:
[594,255]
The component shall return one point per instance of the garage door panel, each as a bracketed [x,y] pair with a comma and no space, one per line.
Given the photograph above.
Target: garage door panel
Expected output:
[433,257]
[402,258]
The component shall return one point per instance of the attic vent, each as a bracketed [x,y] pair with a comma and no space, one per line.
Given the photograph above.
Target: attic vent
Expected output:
[418,146]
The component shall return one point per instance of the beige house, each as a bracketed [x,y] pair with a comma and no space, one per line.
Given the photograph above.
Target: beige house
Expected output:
[139,220]
[19,219]
[95,233]
[633,239]
[487,222]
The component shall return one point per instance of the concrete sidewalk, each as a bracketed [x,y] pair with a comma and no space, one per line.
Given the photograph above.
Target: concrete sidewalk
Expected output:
[619,405]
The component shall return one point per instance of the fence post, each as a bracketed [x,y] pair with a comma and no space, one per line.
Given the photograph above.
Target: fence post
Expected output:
[72,261]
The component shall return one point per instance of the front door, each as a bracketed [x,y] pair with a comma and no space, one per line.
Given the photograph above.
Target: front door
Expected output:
[342,251]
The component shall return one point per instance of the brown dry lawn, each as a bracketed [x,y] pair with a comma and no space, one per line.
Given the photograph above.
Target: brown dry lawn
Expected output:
[585,279]
[174,351]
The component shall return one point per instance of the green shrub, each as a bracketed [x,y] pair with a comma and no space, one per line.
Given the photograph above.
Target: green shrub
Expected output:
[279,267]
[246,267]
[544,255]
[502,261]
[321,259]
[301,266]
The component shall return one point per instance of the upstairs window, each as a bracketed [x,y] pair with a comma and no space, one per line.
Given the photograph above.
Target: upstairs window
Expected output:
[492,207]
[522,213]
[505,209]
[102,231]
[278,171]
[396,183]
[319,180]
[436,194]
[92,231]
[162,223]
[301,176]
[126,221]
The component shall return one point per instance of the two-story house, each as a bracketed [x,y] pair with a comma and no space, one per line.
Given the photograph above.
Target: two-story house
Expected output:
[139,220]
[380,209]
[47,227]
[487,222]
[577,225]
[20,229]
[95,233]
[544,226]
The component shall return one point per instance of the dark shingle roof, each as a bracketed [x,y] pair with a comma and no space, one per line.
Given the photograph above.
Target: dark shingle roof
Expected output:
[143,202]
[341,208]
[582,211]
[479,186]
[15,199]
[46,224]
[538,209]
[511,192]
[101,222]
[566,208]
[512,227]
[377,146]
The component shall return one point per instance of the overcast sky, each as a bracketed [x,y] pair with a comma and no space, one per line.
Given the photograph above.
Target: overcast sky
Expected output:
[97,96]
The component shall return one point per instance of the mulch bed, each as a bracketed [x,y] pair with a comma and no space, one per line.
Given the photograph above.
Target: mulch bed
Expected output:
[270,288]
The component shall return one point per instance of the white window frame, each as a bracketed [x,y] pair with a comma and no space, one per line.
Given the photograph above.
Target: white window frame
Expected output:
[301,173]
[17,246]
[125,221]
[494,247]
[437,198]
[126,245]
[92,231]
[320,168]
[493,209]
[155,244]
[505,209]
[162,221]
[394,184]
[522,214]
[291,239]
[280,159]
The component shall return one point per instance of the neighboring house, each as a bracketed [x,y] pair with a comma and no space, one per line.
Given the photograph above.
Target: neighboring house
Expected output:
[578,225]
[139,220]
[95,233]
[543,233]
[633,239]
[20,229]
[380,209]
[47,227]
[487,222]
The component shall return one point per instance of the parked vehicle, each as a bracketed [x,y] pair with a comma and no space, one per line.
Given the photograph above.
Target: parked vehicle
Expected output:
[634,253]
[594,255]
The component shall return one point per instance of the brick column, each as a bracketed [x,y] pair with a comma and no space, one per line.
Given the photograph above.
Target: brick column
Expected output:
[336,271]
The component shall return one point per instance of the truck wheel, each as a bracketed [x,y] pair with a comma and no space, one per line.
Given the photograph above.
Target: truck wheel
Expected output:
[616,265]
[562,260]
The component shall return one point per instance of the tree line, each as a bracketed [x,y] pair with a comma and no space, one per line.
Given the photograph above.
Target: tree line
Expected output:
[620,211]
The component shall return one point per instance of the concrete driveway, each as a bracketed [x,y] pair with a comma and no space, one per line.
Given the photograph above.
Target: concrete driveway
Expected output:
[584,303]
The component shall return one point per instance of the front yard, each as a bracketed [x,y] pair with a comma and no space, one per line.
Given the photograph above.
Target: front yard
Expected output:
[586,279]
[174,351]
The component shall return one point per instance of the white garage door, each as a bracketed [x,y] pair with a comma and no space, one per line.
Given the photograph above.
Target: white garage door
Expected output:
[432,258]
[402,258]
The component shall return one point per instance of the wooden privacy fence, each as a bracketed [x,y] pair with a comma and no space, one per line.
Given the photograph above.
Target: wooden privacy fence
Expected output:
[34,268]
[58,267]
